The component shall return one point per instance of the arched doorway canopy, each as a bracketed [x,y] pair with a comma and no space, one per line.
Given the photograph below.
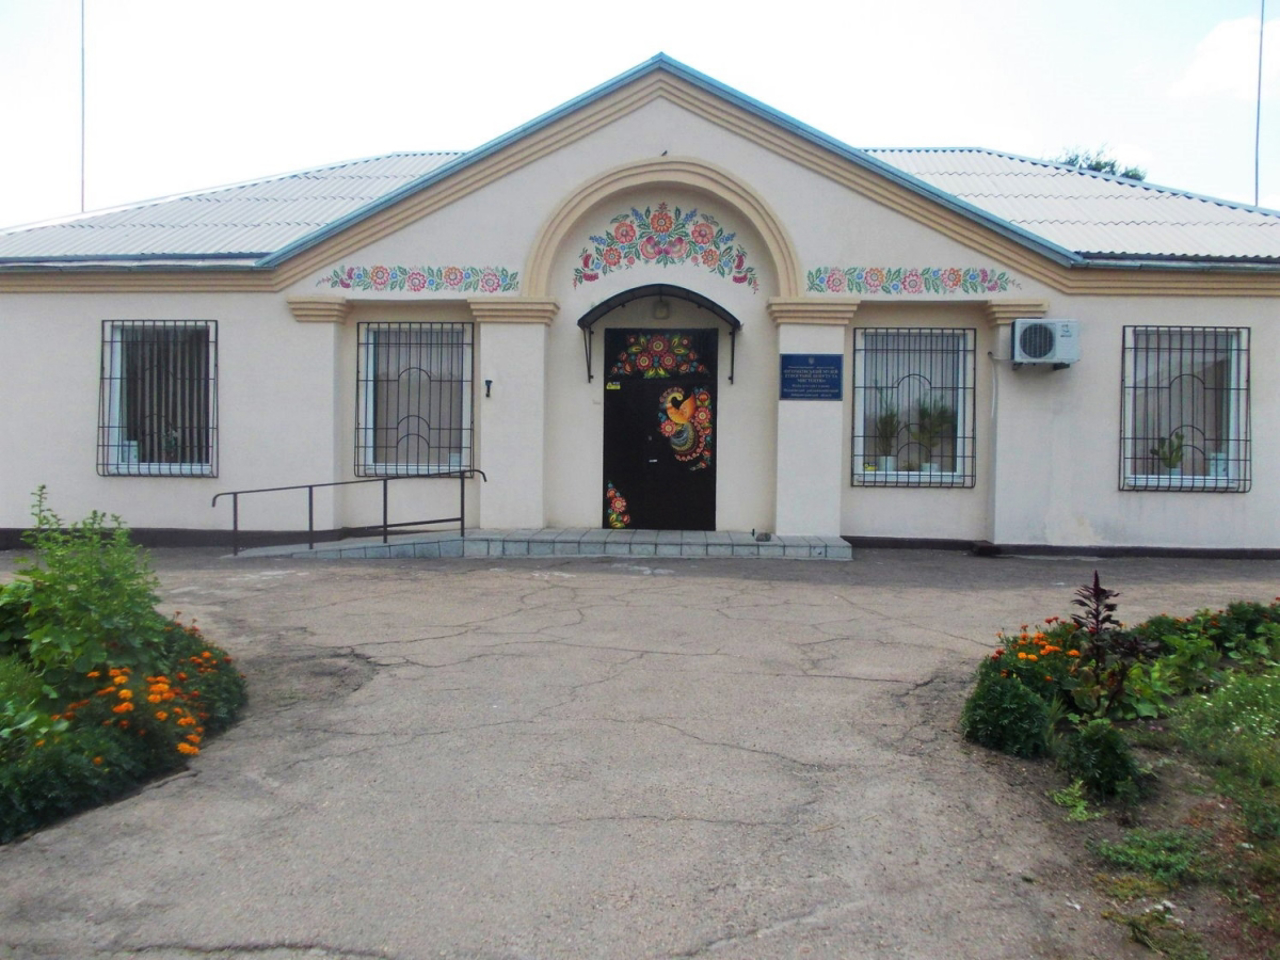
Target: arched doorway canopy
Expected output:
[663,291]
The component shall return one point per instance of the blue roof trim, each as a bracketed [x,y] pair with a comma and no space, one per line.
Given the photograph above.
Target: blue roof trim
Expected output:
[663,62]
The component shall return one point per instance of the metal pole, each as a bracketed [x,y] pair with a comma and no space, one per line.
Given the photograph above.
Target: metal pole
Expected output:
[82,106]
[1257,124]
[235,524]
[462,504]
[384,509]
[311,518]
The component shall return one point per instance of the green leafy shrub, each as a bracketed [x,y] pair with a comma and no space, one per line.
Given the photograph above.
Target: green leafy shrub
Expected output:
[1002,713]
[1097,755]
[88,597]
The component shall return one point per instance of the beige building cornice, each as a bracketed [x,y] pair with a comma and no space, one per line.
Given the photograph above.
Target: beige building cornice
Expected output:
[320,309]
[828,312]
[1003,311]
[973,235]
[514,310]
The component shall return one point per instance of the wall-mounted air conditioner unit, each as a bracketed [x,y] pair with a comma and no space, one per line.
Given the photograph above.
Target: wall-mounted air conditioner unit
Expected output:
[1046,341]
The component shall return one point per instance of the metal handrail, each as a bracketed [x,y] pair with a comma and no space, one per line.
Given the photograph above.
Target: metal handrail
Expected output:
[462,475]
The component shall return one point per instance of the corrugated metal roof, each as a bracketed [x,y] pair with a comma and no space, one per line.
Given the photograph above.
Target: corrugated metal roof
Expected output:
[1065,213]
[241,222]
[1093,214]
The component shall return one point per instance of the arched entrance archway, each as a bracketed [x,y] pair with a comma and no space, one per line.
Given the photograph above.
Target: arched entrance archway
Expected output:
[660,384]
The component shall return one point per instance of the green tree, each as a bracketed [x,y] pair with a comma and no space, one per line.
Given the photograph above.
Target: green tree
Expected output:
[1099,162]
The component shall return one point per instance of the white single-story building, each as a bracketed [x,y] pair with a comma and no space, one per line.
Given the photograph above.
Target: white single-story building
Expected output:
[662,305]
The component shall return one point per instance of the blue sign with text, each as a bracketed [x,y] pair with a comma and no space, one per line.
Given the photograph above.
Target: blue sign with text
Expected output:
[812,376]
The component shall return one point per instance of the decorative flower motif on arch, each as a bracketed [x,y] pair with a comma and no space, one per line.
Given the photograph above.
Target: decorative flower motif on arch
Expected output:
[423,279]
[658,356]
[909,281]
[664,237]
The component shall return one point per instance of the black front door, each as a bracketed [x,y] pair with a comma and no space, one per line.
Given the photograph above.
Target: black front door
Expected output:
[659,417]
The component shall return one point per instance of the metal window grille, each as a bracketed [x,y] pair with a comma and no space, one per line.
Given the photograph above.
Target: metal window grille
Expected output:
[913,416]
[158,399]
[413,398]
[1184,418]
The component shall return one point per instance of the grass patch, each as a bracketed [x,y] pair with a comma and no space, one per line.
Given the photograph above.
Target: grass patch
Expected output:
[1167,856]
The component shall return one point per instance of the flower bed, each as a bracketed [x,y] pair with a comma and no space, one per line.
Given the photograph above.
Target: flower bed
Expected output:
[98,691]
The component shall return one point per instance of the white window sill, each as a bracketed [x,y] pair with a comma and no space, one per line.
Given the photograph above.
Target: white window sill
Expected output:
[1179,482]
[159,470]
[910,478]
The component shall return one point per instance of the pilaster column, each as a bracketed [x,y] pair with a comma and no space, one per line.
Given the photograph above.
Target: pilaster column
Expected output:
[811,471]
[511,402]
[1008,456]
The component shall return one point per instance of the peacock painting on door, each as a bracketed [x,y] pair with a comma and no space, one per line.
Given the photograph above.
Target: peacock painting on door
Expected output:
[659,430]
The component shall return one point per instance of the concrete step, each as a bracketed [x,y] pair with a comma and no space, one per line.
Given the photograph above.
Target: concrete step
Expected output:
[572,542]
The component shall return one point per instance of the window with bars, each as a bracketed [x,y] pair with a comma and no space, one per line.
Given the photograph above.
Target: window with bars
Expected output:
[413,398]
[1185,409]
[158,400]
[913,414]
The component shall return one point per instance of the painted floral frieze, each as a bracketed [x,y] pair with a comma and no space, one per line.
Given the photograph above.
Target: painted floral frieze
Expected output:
[423,279]
[909,280]
[665,236]
[658,356]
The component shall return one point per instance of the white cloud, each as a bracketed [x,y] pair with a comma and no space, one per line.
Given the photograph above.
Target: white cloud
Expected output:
[1226,62]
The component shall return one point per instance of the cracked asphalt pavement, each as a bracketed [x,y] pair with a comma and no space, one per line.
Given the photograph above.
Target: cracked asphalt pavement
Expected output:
[593,758]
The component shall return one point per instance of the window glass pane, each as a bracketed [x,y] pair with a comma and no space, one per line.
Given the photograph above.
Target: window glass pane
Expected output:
[913,407]
[414,398]
[157,410]
[1185,408]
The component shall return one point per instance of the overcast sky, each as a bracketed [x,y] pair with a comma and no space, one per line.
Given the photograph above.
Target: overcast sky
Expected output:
[188,94]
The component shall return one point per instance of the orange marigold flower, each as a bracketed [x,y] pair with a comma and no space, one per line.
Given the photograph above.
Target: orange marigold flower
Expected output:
[188,749]
[126,694]
[1040,635]
[94,674]
[120,678]
[113,672]
[1032,657]
[39,743]
[122,707]
[106,690]
[97,761]
[192,738]
[1022,656]
[1048,679]
[55,716]
[154,698]
[181,675]
[161,715]
[187,722]
[1073,653]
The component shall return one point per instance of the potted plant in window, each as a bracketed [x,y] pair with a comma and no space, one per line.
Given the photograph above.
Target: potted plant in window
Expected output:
[1168,451]
[888,424]
[934,422]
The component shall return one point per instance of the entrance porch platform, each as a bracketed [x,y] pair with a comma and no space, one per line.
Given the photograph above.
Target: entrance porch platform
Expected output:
[571,542]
